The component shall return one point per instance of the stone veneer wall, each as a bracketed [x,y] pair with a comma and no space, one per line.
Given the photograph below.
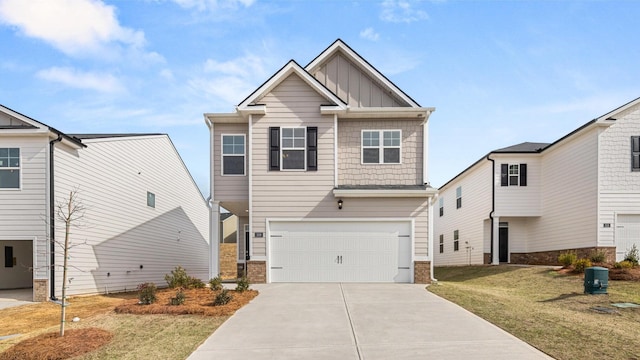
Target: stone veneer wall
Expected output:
[40,290]
[422,272]
[551,257]
[257,271]
[228,262]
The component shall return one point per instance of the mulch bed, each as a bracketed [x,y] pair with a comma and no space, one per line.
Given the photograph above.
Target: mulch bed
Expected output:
[614,274]
[51,346]
[198,302]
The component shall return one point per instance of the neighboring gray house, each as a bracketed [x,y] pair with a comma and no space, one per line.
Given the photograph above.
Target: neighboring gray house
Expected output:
[144,214]
[530,202]
[326,168]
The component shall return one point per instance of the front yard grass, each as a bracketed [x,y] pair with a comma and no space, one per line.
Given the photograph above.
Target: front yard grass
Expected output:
[547,309]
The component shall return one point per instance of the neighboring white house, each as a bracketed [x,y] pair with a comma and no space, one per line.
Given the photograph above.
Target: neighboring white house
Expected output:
[326,168]
[144,214]
[530,202]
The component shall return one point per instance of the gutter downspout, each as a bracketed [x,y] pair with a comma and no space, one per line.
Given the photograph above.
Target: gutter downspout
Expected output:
[493,200]
[52,217]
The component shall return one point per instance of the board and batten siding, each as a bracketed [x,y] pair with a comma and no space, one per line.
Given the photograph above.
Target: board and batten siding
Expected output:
[309,194]
[24,211]
[468,219]
[569,195]
[229,188]
[351,171]
[121,242]
[519,200]
[619,187]
[351,85]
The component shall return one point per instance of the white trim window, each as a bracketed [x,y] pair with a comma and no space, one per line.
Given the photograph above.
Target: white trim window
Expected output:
[233,154]
[10,168]
[381,146]
[513,175]
[458,197]
[293,147]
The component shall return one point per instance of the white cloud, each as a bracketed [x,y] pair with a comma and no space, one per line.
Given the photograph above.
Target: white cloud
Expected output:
[398,11]
[202,5]
[75,27]
[105,83]
[369,34]
[167,74]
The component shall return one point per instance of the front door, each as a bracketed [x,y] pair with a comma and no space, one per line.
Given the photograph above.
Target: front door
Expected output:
[503,242]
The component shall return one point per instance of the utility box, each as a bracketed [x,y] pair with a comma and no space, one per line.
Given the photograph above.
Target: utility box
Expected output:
[596,280]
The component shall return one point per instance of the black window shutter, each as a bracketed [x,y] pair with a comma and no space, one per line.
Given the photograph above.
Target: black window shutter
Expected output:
[274,148]
[523,174]
[504,175]
[312,148]
[635,153]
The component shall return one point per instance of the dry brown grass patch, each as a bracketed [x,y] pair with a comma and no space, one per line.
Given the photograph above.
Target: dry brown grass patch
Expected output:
[51,346]
[198,302]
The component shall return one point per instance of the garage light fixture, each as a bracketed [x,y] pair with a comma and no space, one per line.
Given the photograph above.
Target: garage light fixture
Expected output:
[340,204]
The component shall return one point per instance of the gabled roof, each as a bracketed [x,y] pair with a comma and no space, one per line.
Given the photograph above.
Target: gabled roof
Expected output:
[107,136]
[525,147]
[37,125]
[340,46]
[249,105]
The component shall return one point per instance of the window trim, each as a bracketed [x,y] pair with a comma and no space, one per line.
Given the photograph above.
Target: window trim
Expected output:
[441,206]
[441,244]
[153,196]
[304,148]
[456,240]
[222,155]
[381,147]
[458,197]
[19,168]
[505,175]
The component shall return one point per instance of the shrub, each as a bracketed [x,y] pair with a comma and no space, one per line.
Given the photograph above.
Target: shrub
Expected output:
[242,284]
[567,259]
[623,265]
[216,283]
[581,264]
[222,298]
[147,293]
[180,278]
[632,255]
[179,298]
[598,256]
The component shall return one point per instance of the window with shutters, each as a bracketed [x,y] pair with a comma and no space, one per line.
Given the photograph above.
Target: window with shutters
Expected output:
[513,175]
[635,153]
[9,168]
[233,154]
[293,148]
[381,146]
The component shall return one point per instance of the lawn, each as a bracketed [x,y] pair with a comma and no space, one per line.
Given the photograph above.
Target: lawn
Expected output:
[548,309]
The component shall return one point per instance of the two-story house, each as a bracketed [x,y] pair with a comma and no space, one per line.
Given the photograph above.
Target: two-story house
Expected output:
[326,168]
[528,203]
[143,214]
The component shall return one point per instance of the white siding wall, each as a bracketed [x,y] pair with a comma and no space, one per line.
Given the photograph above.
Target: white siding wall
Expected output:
[619,186]
[298,194]
[569,195]
[24,212]
[468,220]
[519,233]
[121,232]
[519,200]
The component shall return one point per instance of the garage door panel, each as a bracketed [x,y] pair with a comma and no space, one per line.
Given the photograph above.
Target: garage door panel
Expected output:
[340,252]
[627,234]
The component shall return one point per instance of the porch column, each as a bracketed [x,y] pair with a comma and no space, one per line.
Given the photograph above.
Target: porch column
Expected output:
[214,236]
[495,259]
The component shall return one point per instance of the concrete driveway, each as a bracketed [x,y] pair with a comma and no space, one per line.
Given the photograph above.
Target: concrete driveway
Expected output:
[13,298]
[357,321]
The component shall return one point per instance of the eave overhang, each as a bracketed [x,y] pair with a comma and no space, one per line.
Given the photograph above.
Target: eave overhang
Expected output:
[384,193]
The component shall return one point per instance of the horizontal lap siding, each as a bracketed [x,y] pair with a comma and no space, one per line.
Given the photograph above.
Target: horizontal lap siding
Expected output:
[229,188]
[619,186]
[519,200]
[121,232]
[468,220]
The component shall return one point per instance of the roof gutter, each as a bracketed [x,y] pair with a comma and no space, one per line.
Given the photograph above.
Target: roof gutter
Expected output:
[52,218]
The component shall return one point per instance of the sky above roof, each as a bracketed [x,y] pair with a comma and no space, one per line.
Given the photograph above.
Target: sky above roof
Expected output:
[498,72]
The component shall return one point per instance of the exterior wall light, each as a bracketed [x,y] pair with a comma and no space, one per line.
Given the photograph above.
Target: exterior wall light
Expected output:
[340,204]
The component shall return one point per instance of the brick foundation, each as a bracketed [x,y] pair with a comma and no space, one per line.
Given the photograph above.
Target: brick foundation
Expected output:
[551,257]
[422,272]
[40,290]
[228,263]
[487,258]
[240,269]
[257,271]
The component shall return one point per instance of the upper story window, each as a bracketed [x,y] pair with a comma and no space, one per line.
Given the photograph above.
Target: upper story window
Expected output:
[381,146]
[9,168]
[441,205]
[233,154]
[293,148]
[513,175]
[458,197]
[635,153]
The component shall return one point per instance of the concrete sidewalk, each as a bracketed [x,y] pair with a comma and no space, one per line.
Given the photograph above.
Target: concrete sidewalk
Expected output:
[357,321]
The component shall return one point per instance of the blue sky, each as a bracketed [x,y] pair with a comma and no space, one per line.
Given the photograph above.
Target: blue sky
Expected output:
[498,72]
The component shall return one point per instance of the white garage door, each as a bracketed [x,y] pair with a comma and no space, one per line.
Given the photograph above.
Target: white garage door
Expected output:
[340,251]
[627,234]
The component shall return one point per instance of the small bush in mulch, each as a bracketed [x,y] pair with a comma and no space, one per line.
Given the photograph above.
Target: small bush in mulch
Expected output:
[51,346]
[222,298]
[197,302]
